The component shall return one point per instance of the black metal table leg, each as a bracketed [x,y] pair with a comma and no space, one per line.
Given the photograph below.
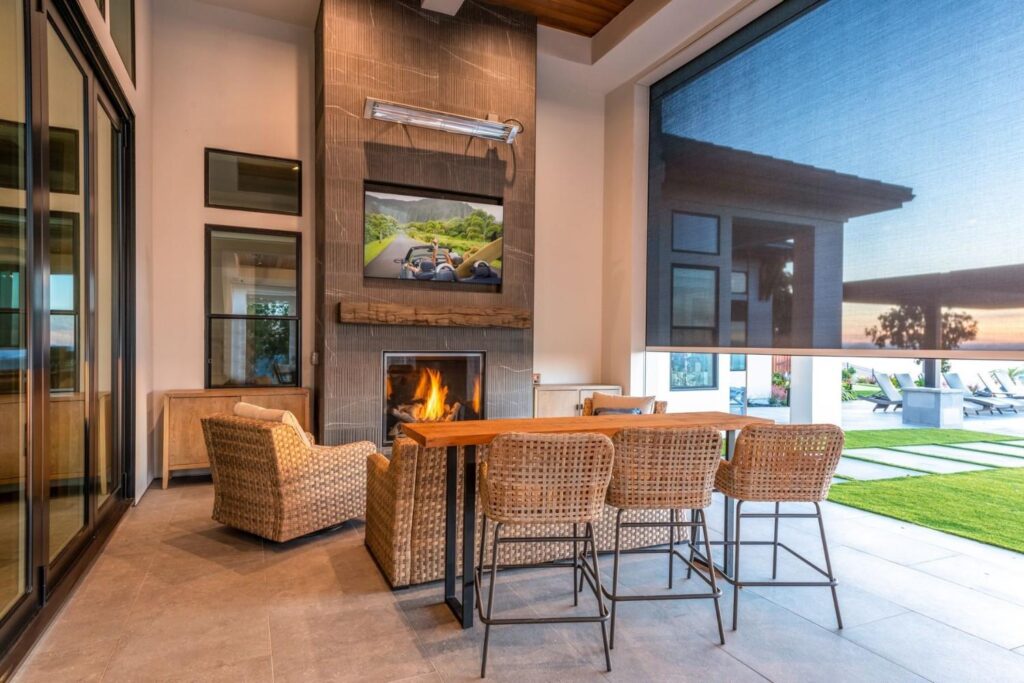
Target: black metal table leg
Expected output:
[728,504]
[461,606]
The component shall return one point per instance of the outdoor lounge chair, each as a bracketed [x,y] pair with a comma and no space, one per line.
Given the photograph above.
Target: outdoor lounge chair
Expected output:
[994,388]
[887,395]
[1008,383]
[987,403]
[905,380]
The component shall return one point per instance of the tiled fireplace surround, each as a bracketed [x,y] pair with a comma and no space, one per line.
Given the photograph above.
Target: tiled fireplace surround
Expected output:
[482,61]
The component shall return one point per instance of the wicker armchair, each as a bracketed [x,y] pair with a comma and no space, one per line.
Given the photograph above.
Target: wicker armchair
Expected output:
[268,483]
[660,407]
[782,464]
[405,518]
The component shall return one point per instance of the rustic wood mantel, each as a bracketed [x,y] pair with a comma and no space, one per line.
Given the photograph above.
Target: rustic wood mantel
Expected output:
[369,313]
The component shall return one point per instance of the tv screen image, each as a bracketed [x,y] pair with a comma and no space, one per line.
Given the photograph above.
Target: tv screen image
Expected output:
[413,234]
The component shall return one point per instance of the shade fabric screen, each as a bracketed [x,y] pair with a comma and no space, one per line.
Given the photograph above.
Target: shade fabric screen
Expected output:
[852,171]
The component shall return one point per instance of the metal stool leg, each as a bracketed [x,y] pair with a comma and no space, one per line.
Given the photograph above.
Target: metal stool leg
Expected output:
[671,545]
[828,565]
[736,568]
[600,597]
[615,574]
[694,540]
[490,598]
[711,568]
[575,566]
[775,545]
[480,559]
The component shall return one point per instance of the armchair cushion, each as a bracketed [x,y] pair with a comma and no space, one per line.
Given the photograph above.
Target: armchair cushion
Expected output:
[255,412]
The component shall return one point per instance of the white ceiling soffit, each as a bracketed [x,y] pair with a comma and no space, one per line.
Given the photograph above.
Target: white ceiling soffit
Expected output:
[449,7]
[654,39]
[299,12]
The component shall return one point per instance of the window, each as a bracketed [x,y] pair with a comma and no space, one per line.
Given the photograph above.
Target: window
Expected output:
[122,30]
[694,306]
[64,302]
[739,282]
[253,183]
[694,232]
[253,286]
[693,371]
[63,158]
[738,362]
[867,177]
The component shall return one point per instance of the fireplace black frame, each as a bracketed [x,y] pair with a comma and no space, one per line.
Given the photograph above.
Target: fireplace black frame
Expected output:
[482,355]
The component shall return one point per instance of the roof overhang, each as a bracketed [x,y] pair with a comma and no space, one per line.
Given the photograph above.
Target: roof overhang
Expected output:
[997,287]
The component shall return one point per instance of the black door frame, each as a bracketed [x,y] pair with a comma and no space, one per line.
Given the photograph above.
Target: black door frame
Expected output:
[48,584]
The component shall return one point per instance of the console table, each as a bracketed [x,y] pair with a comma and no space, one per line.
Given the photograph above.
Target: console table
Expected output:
[184,445]
[472,433]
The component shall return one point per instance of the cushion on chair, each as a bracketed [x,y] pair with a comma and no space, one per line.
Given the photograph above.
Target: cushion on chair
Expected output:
[644,403]
[617,411]
[255,412]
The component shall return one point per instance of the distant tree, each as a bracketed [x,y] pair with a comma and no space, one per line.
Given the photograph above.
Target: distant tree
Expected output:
[378,226]
[903,327]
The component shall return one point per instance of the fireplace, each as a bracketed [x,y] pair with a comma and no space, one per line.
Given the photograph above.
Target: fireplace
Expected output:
[431,387]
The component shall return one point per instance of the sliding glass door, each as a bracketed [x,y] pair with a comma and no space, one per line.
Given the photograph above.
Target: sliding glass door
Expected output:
[66,468]
[65,276]
[14,349]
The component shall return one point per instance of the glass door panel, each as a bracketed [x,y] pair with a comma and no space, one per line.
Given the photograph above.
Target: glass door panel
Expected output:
[107,220]
[13,307]
[65,465]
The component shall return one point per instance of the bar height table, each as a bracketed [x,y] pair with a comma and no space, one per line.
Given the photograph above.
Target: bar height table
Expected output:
[470,434]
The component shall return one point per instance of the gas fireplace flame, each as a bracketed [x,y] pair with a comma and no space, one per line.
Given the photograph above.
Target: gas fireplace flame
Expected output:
[476,395]
[433,393]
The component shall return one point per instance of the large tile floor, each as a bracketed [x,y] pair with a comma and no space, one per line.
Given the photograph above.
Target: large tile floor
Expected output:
[176,596]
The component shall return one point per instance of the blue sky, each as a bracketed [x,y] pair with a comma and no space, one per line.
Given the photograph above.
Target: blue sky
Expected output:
[923,93]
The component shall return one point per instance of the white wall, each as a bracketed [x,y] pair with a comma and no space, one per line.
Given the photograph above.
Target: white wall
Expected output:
[236,81]
[569,216]
[625,237]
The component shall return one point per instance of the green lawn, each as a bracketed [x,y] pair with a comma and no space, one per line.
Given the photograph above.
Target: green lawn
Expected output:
[371,250]
[885,438]
[986,506]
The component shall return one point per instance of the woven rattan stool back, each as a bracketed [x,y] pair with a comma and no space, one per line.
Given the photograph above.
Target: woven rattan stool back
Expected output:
[659,469]
[782,463]
[546,478]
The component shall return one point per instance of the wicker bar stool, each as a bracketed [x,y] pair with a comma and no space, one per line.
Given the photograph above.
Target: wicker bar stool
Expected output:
[782,464]
[670,470]
[544,479]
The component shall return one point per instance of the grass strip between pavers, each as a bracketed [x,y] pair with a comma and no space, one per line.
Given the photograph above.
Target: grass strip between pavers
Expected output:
[949,458]
[986,505]
[962,447]
[885,438]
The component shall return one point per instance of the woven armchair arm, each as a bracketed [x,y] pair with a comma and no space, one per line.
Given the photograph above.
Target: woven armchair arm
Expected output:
[390,488]
[312,439]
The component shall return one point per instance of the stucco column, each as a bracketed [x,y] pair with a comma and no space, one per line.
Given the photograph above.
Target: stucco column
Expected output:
[815,393]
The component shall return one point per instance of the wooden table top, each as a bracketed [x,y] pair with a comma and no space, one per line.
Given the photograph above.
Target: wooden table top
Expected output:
[479,432]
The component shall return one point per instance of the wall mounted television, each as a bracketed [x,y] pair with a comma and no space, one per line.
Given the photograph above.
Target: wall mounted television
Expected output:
[416,234]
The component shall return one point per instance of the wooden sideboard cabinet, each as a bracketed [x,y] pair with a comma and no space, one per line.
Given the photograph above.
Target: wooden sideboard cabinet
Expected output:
[184,445]
[566,400]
